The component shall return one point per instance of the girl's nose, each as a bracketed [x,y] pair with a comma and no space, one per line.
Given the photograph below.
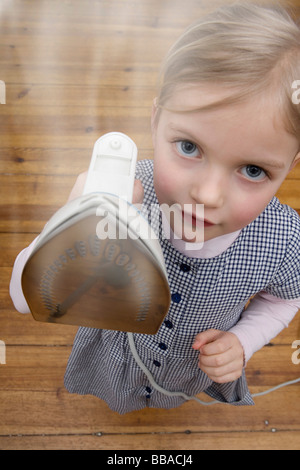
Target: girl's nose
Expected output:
[209,189]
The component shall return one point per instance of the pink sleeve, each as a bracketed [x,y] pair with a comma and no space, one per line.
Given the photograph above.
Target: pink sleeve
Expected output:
[15,287]
[265,318]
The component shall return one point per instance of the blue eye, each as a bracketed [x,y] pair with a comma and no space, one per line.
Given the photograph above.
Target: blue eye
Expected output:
[253,172]
[187,148]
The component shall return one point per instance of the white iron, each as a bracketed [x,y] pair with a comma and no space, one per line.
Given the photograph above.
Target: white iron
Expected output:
[97,262]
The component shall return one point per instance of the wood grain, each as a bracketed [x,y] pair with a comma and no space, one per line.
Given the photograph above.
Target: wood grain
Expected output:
[247,440]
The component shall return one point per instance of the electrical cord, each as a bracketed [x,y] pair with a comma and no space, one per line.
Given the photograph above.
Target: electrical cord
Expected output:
[183,395]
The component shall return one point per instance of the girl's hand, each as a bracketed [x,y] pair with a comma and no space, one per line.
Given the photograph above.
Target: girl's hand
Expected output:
[221,355]
[77,190]
[78,187]
[138,192]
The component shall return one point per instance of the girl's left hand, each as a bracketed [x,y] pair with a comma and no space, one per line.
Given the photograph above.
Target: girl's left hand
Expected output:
[221,355]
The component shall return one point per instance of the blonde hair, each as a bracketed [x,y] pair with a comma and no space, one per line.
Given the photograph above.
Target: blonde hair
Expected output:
[246,47]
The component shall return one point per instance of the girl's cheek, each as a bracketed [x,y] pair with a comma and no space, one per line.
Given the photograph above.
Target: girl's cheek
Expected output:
[164,182]
[163,191]
[245,213]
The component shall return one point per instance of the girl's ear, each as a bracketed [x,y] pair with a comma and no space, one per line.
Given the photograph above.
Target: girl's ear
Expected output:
[154,118]
[295,161]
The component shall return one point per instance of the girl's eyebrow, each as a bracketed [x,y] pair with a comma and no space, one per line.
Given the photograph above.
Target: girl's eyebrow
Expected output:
[181,131]
[185,134]
[276,164]
[266,163]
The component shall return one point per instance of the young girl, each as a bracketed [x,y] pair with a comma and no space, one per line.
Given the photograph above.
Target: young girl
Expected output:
[226,134]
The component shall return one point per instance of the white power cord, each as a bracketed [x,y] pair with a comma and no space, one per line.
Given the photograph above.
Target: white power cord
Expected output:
[284,384]
[181,394]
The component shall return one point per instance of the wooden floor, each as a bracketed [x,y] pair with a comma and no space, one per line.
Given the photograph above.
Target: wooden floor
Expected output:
[76,69]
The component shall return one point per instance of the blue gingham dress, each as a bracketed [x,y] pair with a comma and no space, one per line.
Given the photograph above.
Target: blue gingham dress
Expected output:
[205,293]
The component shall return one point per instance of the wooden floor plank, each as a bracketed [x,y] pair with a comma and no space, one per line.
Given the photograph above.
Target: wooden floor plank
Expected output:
[20,329]
[51,161]
[268,440]
[38,96]
[58,412]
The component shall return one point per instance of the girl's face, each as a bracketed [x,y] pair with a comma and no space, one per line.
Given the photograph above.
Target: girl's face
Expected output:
[230,159]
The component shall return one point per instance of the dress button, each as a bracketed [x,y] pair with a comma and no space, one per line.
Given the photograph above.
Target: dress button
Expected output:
[163,346]
[148,389]
[157,363]
[185,268]
[176,298]
[168,324]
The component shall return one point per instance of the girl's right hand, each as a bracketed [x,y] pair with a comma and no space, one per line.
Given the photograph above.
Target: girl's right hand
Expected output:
[78,187]
[77,190]
[138,193]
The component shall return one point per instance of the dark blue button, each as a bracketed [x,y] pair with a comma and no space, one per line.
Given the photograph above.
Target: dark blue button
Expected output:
[176,298]
[148,390]
[163,346]
[168,324]
[185,268]
[148,396]
[157,363]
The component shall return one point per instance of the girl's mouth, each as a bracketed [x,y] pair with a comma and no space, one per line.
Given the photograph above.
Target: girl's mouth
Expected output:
[207,223]
[196,222]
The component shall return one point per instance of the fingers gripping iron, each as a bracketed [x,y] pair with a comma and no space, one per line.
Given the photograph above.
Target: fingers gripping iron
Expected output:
[97,262]
[112,166]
